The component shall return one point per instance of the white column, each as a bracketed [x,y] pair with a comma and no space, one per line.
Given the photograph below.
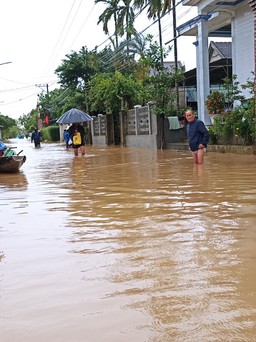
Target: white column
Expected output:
[61,130]
[203,79]
[197,74]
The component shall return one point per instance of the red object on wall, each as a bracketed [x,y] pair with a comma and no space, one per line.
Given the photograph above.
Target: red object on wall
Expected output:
[47,120]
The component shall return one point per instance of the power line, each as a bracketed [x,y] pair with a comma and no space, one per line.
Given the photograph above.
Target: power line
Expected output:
[59,42]
[62,37]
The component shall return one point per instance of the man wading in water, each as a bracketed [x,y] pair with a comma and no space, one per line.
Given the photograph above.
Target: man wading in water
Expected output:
[36,137]
[198,137]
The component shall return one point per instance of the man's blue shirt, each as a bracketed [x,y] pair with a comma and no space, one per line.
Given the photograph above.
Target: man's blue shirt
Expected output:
[197,134]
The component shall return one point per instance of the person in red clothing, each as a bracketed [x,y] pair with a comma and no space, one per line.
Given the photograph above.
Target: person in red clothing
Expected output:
[198,137]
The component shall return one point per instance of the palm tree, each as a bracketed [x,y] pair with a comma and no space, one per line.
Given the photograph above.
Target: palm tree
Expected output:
[156,8]
[126,18]
[138,44]
[106,16]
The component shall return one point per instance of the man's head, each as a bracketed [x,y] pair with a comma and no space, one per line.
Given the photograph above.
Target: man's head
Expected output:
[190,116]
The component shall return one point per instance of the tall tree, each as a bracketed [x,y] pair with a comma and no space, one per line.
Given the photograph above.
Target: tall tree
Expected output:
[155,5]
[156,9]
[137,45]
[126,18]
[9,126]
[77,68]
[111,12]
[122,13]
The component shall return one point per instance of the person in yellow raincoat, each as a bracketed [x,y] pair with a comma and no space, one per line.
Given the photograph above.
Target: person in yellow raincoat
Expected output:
[77,135]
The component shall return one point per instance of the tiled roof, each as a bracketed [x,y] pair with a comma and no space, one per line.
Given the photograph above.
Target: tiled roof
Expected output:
[219,55]
[252,3]
[224,48]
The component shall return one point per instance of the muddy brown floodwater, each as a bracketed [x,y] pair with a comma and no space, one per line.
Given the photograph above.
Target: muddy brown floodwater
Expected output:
[127,245]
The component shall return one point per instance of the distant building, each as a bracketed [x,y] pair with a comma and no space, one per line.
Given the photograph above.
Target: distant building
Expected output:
[220,67]
[169,65]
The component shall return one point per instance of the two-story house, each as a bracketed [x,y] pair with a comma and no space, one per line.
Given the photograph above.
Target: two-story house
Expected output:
[217,18]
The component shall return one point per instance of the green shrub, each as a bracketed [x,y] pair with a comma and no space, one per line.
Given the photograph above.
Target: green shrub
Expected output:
[234,127]
[213,137]
[51,133]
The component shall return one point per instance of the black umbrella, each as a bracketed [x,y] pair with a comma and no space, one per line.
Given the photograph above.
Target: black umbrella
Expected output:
[74,115]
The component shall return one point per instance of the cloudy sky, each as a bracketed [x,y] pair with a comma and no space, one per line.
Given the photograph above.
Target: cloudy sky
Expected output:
[37,34]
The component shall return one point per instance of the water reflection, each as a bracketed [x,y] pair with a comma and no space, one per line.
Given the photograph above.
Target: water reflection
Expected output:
[13,180]
[130,245]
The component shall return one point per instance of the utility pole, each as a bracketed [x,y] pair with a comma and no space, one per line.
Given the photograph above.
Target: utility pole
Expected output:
[160,37]
[175,54]
[44,115]
[5,63]
[45,85]
[252,4]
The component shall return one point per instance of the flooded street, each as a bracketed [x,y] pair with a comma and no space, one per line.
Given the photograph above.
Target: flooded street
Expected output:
[127,245]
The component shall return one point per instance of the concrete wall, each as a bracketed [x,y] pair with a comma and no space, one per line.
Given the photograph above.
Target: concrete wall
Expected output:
[99,140]
[102,130]
[139,127]
[98,128]
[231,149]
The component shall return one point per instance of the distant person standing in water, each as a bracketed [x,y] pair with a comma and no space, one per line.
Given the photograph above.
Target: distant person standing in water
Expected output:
[36,138]
[198,137]
[77,134]
[66,138]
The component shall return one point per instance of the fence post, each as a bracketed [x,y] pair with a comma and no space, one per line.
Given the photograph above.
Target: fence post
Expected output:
[149,119]
[123,128]
[136,118]
[109,129]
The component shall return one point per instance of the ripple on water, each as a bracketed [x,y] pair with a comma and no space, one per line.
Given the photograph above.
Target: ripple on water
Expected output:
[137,242]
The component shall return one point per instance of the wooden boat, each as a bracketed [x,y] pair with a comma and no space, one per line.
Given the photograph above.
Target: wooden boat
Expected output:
[11,162]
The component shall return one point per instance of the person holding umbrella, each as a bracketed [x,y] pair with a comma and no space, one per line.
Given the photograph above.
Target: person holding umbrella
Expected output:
[77,135]
[76,117]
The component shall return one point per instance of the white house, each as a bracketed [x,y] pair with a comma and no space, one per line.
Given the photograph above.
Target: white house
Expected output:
[217,18]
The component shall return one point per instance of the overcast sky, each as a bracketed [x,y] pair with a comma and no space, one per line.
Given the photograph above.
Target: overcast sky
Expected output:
[37,34]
